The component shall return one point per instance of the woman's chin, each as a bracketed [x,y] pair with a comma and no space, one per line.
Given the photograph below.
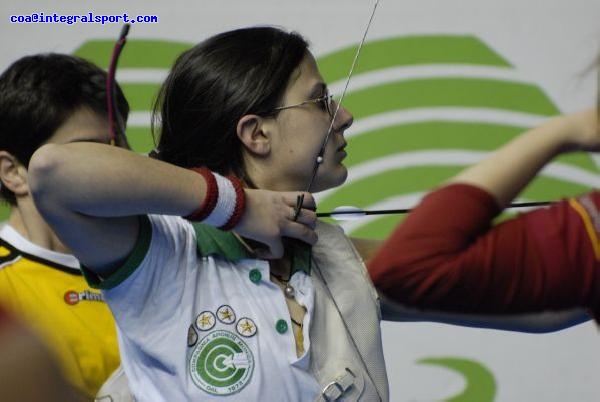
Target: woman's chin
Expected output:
[333,180]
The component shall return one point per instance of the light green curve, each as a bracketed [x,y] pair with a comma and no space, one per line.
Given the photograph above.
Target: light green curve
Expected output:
[137,53]
[409,50]
[481,385]
[440,134]
[141,95]
[372,189]
[140,138]
[449,92]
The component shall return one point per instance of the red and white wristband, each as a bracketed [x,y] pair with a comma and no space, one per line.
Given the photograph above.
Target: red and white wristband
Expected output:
[225,201]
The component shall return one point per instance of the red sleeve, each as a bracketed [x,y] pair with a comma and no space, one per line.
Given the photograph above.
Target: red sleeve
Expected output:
[446,256]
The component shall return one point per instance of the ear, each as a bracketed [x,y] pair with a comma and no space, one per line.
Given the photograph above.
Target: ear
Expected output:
[253,133]
[13,174]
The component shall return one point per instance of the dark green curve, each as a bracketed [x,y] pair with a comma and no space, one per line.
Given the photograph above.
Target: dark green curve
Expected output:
[481,385]
[440,134]
[449,92]
[139,53]
[409,50]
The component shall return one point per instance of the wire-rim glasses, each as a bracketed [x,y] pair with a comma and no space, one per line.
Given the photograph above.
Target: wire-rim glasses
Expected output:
[325,102]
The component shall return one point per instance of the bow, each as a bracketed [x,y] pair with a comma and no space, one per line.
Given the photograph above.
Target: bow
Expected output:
[342,213]
[319,157]
[116,126]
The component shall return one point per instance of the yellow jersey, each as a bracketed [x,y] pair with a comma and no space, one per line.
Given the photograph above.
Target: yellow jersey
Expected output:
[48,292]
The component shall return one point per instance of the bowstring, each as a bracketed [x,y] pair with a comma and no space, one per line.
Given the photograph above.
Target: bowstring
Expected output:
[319,158]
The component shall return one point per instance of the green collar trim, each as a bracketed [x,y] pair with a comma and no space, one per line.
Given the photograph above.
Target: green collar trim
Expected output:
[212,241]
[132,262]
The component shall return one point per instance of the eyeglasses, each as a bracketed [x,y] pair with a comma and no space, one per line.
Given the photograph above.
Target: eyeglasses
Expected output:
[324,102]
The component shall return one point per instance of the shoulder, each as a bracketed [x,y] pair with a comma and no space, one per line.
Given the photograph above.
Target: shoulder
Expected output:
[16,249]
[8,254]
[162,240]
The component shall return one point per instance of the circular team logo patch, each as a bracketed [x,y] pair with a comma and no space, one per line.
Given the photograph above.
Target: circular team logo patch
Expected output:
[71,297]
[226,314]
[221,363]
[192,336]
[205,321]
[246,327]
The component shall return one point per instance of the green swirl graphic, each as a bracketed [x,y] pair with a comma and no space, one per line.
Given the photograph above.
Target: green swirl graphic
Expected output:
[480,382]
[221,363]
[426,107]
[417,151]
[392,162]
[212,366]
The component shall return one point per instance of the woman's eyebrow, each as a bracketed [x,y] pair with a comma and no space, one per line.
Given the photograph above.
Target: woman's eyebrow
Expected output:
[319,89]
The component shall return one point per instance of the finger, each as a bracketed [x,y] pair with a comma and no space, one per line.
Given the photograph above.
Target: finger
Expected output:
[299,231]
[308,201]
[274,251]
[298,207]
[264,254]
[307,217]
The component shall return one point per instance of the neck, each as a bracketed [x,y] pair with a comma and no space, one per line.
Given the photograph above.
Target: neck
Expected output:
[28,222]
[282,267]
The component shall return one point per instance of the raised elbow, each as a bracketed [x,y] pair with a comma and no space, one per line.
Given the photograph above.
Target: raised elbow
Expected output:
[42,170]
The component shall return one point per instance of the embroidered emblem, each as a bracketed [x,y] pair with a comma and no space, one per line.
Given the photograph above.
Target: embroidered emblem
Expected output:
[221,363]
[205,321]
[225,314]
[72,297]
[246,327]
[192,336]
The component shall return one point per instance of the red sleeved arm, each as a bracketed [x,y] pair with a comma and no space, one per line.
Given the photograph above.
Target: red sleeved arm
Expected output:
[447,256]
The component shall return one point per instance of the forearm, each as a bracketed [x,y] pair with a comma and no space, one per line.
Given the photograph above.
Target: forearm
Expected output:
[100,180]
[539,322]
[508,170]
[91,195]
[415,264]
[445,256]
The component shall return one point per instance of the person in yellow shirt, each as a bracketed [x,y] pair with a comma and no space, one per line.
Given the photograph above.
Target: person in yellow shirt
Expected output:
[52,98]
[28,372]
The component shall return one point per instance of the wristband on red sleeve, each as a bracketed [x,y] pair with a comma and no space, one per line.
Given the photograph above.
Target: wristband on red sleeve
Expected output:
[225,201]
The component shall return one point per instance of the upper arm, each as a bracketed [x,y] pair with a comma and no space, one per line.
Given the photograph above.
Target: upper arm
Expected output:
[92,195]
[100,243]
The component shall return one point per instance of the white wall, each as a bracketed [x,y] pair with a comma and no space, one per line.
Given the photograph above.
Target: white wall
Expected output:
[550,43]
